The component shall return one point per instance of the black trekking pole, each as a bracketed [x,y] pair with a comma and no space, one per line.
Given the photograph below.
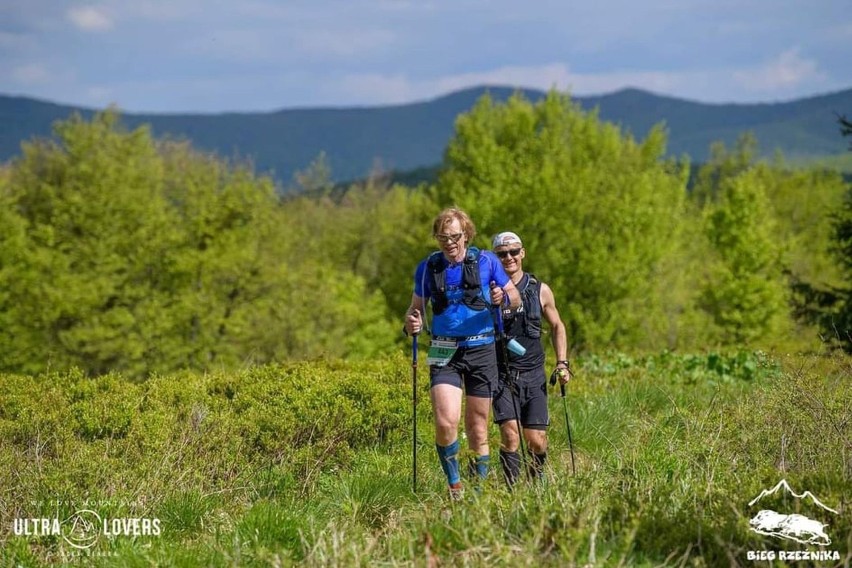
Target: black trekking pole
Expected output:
[568,427]
[512,385]
[553,379]
[414,405]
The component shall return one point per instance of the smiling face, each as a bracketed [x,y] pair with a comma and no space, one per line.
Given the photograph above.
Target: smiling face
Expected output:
[452,240]
[512,258]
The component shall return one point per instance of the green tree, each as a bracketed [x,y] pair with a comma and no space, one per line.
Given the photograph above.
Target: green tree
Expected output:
[800,203]
[745,292]
[387,229]
[316,178]
[845,127]
[724,164]
[835,303]
[803,202]
[94,227]
[600,214]
[118,252]
[837,322]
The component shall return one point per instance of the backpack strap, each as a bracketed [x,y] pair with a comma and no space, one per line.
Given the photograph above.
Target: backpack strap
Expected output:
[472,281]
[437,269]
[531,296]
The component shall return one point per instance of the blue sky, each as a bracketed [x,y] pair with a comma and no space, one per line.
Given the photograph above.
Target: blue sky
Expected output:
[255,55]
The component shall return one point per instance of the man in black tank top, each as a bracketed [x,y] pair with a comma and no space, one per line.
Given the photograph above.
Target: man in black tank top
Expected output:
[526,371]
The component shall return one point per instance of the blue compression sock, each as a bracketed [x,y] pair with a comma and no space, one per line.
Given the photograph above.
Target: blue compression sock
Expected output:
[449,458]
[482,463]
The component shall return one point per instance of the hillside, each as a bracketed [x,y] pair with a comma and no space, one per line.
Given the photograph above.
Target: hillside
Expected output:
[411,136]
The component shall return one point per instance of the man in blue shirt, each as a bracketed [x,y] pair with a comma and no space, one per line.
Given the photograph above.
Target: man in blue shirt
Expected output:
[461,284]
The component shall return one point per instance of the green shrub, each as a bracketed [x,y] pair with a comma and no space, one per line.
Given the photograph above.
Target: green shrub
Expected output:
[309,464]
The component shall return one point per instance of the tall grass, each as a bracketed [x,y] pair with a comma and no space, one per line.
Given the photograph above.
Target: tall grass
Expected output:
[310,465]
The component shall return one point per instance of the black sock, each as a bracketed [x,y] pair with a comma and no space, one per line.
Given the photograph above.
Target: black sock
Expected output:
[536,465]
[511,462]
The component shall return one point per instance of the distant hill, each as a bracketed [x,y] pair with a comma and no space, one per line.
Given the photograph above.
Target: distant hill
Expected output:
[411,136]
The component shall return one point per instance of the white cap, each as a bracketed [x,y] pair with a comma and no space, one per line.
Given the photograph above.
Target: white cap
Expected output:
[505,238]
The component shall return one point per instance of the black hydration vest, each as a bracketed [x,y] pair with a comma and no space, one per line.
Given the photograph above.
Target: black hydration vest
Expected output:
[471,282]
[524,324]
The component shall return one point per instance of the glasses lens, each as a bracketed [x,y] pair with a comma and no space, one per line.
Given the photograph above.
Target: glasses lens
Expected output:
[449,238]
[505,253]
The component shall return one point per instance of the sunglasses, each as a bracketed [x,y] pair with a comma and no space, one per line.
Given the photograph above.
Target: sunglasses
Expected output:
[449,238]
[505,253]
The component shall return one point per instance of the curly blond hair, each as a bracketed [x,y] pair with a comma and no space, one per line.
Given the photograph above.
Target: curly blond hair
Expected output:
[447,216]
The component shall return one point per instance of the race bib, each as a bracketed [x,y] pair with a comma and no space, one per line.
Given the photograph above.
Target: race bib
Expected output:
[440,352]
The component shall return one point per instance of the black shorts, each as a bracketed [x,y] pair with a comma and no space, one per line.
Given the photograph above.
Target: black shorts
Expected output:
[531,398]
[476,367]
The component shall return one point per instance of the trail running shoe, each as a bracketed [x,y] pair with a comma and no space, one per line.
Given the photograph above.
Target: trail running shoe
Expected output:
[456,491]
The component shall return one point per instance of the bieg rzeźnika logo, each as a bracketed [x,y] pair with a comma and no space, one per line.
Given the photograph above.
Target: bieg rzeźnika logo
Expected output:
[793,526]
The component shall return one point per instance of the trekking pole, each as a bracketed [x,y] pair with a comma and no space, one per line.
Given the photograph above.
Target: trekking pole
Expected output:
[414,406]
[568,427]
[512,384]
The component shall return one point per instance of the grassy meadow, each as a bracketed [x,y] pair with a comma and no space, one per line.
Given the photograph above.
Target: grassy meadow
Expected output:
[310,464]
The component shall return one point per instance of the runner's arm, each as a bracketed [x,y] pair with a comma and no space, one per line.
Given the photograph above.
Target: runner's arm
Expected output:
[558,333]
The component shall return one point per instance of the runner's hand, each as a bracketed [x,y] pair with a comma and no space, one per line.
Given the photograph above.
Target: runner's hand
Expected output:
[413,322]
[560,373]
[496,294]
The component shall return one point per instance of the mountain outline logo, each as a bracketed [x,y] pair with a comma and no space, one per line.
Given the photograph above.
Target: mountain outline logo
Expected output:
[794,527]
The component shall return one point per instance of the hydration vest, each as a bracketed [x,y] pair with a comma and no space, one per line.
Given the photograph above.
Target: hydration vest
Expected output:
[531,299]
[471,281]
[524,324]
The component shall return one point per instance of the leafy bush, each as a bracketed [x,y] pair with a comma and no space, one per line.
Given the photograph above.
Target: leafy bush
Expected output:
[309,463]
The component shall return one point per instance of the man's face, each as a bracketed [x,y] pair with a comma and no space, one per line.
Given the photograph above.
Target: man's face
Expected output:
[511,256]
[451,239]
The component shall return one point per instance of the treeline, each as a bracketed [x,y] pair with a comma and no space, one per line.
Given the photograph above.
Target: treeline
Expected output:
[122,252]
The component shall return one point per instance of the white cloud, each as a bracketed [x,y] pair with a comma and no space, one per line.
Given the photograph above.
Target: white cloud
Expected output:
[90,18]
[787,70]
[258,54]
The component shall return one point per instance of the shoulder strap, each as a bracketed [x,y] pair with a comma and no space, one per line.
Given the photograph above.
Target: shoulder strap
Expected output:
[438,281]
[471,281]
[531,294]
[435,261]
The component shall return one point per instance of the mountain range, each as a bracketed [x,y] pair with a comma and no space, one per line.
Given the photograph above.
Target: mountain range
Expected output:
[411,136]
[785,489]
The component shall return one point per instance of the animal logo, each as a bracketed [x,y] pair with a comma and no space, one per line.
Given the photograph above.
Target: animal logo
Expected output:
[794,527]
